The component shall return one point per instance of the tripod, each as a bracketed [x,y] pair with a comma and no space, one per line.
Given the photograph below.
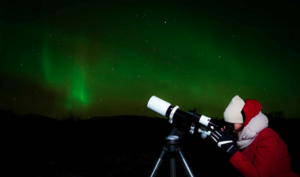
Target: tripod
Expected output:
[172,146]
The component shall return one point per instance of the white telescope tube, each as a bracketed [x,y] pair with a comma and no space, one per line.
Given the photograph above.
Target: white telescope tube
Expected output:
[158,105]
[204,120]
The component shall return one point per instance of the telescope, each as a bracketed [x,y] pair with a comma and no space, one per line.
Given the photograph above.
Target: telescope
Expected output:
[183,122]
[186,121]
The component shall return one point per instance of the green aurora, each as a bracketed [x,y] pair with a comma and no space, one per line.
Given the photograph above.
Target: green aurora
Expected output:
[94,61]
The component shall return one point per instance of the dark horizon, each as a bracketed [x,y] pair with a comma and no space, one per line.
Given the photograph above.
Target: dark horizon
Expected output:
[74,117]
[113,146]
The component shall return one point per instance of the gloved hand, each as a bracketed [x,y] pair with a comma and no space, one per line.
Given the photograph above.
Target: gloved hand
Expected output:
[224,140]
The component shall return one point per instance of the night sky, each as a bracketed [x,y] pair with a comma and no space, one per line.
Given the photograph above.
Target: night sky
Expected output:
[90,58]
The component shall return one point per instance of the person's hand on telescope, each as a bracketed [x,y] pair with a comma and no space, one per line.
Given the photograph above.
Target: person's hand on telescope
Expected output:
[224,140]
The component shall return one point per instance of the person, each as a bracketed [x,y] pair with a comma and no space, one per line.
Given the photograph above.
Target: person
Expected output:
[253,148]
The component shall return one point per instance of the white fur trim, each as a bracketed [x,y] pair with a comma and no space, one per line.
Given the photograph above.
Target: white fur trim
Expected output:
[248,134]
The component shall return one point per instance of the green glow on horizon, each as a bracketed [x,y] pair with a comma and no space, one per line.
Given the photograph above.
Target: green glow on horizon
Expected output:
[96,60]
[46,63]
[66,70]
[78,90]
[1,38]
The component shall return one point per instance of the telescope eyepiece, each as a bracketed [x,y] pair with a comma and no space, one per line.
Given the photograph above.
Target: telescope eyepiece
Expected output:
[229,127]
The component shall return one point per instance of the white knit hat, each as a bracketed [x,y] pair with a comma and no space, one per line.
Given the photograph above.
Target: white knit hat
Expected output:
[233,113]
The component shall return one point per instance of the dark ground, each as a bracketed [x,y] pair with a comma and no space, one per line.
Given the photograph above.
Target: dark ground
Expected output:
[114,146]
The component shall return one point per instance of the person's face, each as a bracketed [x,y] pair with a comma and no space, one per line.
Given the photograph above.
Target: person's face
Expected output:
[237,128]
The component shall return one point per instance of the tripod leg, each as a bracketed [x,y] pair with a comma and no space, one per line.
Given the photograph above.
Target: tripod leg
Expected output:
[185,164]
[173,167]
[158,163]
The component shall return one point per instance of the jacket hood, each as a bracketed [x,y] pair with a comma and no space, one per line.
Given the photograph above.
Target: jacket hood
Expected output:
[251,109]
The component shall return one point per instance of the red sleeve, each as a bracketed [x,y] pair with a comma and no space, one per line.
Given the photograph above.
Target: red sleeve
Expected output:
[265,159]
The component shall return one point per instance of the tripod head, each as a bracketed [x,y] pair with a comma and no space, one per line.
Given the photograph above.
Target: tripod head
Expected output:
[173,148]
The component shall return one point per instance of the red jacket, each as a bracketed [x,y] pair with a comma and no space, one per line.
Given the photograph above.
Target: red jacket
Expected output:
[267,155]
